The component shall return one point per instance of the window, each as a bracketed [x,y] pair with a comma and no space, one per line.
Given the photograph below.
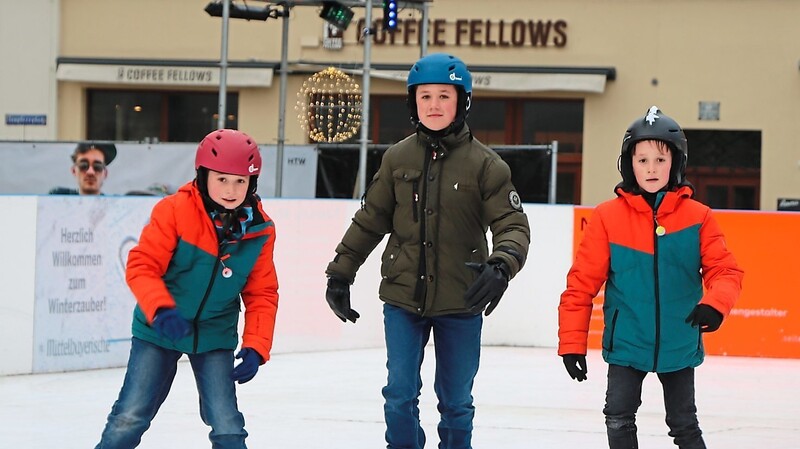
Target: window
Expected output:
[487,121]
[543,121]
[546,120]
[509,121]
[156,116]
[390,119]
[725,168]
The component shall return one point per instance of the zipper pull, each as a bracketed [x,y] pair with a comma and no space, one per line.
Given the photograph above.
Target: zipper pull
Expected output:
[226,272]
[434,146]
[660,230]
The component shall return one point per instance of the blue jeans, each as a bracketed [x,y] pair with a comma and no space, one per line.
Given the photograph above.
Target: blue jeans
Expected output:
[624,396]
[151,370]
[457,343]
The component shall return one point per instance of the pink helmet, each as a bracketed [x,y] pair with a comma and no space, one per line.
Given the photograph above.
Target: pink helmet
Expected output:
[229,151]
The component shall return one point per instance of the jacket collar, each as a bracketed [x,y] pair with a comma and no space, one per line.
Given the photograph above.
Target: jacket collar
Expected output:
[447,142]
[259,224]
[669,200]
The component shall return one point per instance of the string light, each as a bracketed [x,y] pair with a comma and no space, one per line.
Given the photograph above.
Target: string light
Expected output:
[329,106]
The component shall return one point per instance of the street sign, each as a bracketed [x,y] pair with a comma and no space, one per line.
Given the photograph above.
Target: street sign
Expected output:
[26,119]
[789,204]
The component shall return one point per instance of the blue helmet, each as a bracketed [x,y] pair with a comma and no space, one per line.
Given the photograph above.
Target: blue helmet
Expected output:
[440,68]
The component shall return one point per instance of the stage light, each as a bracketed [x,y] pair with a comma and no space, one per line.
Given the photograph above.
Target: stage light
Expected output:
[390,15]
[214,9]
[336,14]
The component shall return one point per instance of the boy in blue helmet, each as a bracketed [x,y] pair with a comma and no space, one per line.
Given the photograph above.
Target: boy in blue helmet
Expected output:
[436,194]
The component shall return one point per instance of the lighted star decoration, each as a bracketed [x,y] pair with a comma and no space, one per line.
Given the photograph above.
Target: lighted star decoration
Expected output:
[329,106]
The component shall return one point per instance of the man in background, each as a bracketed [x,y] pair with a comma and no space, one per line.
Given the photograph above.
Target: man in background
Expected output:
[90,167]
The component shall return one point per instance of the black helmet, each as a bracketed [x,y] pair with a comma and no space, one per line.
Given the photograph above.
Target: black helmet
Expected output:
[654,126]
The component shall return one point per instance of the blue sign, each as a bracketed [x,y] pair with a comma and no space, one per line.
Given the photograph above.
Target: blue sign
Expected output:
[26,119]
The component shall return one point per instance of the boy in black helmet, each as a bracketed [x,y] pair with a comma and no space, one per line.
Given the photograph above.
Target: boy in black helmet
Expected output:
[436,194]
[655,248]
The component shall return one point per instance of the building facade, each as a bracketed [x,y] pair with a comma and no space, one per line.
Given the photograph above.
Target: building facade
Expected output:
[572,71]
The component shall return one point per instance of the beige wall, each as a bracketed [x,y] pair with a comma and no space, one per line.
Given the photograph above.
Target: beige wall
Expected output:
[741,53]
[28,49]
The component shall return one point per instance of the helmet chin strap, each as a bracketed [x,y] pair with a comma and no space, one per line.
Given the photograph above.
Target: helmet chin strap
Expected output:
[201,180]
[452,128]
[213,206]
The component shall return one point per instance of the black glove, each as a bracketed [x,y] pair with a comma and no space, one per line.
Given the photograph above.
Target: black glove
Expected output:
[706,317]
[246,370]
[338,296]
[488,287]
[576,366]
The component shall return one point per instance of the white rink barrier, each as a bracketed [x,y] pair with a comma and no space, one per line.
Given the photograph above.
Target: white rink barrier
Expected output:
[65,306]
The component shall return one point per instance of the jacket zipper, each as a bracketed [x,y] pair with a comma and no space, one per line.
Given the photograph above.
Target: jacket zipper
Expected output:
[196,321]
[657,295]
[421,289]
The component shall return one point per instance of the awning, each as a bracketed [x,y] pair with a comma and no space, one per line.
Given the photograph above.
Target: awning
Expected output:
[163,75]
[521,82]
[504,78]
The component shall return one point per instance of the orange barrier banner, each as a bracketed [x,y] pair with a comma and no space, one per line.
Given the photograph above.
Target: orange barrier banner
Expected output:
[766,319]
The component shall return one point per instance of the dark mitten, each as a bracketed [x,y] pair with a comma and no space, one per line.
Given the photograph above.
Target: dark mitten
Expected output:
[706,317]
[487,289]
[338,297]
[170,324]
[246,370]
[576,366]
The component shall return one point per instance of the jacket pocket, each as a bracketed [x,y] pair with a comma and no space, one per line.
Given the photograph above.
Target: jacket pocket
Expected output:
[389,261]
[608,335]
[407,185]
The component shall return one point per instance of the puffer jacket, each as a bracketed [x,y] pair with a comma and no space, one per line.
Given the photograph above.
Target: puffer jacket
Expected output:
[178,262]
[436,198]
[654,264]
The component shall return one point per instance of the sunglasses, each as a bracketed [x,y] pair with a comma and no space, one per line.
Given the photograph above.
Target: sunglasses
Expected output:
[83,166]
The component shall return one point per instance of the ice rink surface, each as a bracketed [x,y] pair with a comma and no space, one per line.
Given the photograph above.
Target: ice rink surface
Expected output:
[332,400]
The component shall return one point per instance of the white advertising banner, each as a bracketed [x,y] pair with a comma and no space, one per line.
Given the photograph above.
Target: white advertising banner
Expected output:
[82,304]
[299,176]
[67,306]
[37,167]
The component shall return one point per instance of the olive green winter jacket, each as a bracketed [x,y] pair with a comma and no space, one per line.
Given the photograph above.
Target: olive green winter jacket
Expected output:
[436,198]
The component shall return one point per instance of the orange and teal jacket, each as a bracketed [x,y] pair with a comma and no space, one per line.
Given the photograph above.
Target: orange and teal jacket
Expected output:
[655,264]
[179,263]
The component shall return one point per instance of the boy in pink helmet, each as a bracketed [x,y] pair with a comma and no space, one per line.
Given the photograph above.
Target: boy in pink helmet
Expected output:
[207,248]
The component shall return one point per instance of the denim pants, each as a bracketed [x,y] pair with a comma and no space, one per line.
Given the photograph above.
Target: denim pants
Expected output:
[624,396]
[151,370]
[457,341]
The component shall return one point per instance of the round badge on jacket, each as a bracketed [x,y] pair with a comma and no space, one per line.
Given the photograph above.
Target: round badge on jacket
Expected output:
[514,200]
